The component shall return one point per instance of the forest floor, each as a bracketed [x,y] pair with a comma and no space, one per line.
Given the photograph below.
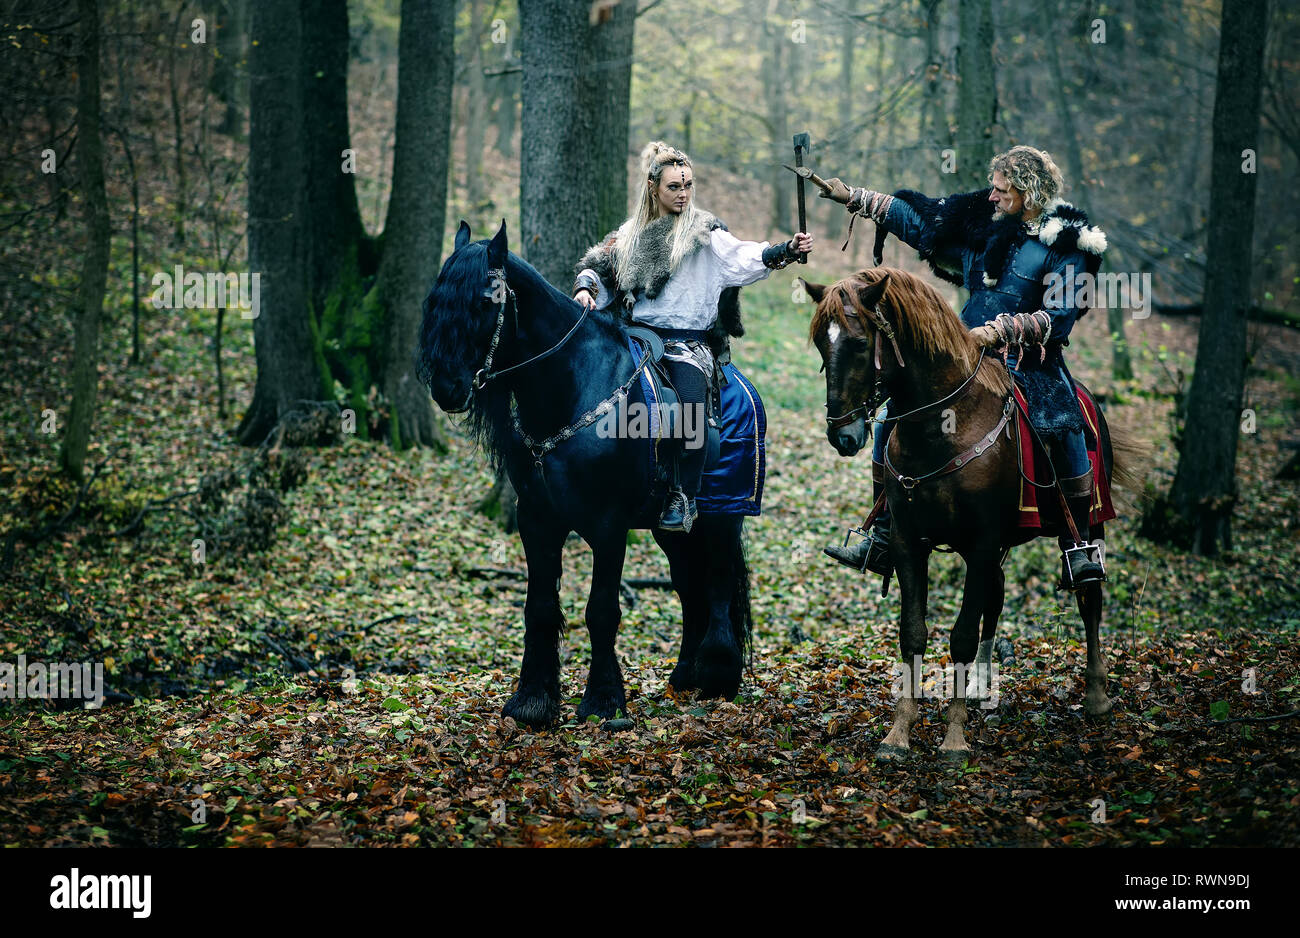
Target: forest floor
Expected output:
[341,681]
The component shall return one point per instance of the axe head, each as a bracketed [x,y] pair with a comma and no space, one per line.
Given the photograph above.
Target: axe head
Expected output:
[802,142]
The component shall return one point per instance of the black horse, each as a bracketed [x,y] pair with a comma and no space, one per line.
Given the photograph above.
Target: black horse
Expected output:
[496,334]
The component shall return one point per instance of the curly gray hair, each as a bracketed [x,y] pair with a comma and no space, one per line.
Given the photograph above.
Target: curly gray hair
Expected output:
[1033,172]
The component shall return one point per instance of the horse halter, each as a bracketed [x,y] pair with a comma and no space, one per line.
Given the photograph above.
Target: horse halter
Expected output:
[499,291]
[868,409]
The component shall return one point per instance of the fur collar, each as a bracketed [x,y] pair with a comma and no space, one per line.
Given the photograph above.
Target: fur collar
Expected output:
[651,271]
[966,221]
[651,268]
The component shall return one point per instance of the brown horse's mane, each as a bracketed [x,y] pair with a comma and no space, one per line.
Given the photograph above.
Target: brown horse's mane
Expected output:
[925,321]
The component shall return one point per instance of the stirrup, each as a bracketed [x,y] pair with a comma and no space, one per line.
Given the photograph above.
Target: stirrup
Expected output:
[1091,566]
[855,557]
[870,553]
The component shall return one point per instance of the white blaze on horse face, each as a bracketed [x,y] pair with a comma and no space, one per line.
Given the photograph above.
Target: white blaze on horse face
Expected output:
[833,333]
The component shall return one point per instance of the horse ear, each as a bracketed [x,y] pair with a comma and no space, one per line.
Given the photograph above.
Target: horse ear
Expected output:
[870,295]
[498,248]
[815,290]
[462,235]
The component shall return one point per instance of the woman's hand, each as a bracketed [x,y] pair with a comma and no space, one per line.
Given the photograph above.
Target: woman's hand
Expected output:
[801,243]
[585,299]
[836,191]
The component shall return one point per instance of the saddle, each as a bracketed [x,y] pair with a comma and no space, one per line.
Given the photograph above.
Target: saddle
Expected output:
[1039,511]
[670,439]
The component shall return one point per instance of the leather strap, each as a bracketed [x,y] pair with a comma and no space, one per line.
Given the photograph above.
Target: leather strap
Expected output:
[1056,479]
[986,443]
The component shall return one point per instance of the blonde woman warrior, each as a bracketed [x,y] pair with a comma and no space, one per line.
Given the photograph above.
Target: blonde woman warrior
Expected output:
[675,268]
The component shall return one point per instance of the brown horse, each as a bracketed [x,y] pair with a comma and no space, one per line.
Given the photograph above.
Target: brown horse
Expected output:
[954,477]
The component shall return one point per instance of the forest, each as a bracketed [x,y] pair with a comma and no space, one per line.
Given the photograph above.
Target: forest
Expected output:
[291,588]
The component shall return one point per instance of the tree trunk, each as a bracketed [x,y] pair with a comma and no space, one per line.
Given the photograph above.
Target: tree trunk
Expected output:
[504,61]
[977,101]
[780,143]
[934,117]
[277,247]
[607,89]
[576,77]
[349,333]
[476,112]
[1121,363]
[179,33]
[1204,489]
[849,103]
[417,209]
[507,112]
[232,25]
[94,265]
[333,218]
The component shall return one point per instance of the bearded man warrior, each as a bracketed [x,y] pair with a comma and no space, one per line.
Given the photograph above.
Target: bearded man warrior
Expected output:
[675,269]
[1018,248]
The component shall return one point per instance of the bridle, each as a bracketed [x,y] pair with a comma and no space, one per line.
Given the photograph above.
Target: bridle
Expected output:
[868,409]
[502,296]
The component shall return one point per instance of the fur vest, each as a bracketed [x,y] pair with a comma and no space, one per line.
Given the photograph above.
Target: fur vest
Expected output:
[965,222]
[651,269]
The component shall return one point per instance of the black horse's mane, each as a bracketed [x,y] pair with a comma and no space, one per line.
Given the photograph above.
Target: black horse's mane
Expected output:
[457,298]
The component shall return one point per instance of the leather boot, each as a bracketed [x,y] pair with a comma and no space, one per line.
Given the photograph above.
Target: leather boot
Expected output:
[870,552]
[679,512]
[1080,563]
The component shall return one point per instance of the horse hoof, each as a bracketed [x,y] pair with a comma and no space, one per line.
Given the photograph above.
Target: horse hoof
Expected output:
[535,711]
[606,705]
[1102,713]
[682,680]
[619,725]
[891,753]
[718,675]
[955,755]
[724,689]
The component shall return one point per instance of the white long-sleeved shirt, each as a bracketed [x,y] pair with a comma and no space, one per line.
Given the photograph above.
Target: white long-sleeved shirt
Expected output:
[689,300]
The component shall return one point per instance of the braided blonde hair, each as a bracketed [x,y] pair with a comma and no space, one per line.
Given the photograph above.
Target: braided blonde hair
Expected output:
[655,157]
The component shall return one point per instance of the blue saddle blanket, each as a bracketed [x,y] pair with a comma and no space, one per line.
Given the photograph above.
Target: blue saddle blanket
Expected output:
[734,484]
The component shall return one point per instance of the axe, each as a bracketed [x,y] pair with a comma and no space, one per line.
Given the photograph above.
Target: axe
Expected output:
[801,144]
[804,173]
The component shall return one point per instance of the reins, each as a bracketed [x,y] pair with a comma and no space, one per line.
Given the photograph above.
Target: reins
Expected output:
[485,374]
[986,442]
[834,423]
[537,449]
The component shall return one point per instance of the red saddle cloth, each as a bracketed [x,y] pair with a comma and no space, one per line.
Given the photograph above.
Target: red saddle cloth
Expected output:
[1038,468]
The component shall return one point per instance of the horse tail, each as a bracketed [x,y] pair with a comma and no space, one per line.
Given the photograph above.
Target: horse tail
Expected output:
[1130,457]
[742,616]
